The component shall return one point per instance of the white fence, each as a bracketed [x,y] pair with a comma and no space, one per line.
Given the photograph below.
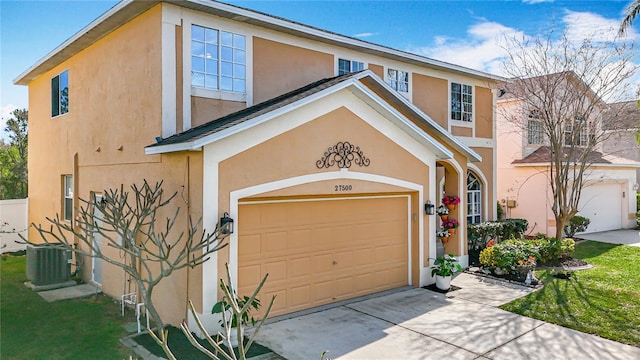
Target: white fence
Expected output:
[14,217]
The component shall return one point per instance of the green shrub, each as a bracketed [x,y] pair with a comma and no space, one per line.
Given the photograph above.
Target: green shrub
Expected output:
[567,247]
[576,224]
[511,253]
[513,228]
[499,211]
[488,257]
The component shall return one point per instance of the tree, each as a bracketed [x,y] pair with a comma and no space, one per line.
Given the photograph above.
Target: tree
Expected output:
[630,14]
[13,157]
[560,84]
[129,224]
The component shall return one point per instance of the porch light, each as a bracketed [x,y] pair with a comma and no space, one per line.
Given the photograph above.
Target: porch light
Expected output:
[226,224]
[429,208]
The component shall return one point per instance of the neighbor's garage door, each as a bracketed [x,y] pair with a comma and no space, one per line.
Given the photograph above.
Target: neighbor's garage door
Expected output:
[602,204]
[321,251]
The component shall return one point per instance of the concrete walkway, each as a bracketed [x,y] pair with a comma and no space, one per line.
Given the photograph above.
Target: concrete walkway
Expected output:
[624,237]
[421,324]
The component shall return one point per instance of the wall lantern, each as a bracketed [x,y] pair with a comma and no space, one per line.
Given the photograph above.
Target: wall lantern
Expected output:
[226,224]
[429,208]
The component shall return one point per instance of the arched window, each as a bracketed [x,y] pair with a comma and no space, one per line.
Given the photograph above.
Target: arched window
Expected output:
[474,199]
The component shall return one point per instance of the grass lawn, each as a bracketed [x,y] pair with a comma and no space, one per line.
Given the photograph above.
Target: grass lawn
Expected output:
[31,328]
[604,300]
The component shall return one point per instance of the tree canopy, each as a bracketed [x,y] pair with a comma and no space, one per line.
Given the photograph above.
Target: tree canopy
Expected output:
[13,157]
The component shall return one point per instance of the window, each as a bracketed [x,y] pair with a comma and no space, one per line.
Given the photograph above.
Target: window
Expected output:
[582,137]
[474,199]
[218,59]
[398,80]
[60,94]
[68,197]
[461,102]
[349,66]
[534,128]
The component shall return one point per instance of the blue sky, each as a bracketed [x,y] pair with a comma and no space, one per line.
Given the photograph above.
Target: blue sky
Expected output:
[459,32]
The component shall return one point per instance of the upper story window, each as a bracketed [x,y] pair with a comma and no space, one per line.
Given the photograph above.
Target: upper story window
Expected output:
[398,80]
[218,60]
[578,132]
[461,102]
[349,66]
[60,94]
[535,134]
[67,206]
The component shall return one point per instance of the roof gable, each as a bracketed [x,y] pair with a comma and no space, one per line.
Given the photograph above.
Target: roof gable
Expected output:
[218,129]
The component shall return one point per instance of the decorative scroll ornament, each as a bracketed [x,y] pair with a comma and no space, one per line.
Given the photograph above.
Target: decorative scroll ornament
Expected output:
[343,154]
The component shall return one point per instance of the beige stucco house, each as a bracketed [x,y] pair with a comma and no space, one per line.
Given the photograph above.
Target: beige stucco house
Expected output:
[524,191]
[250,114]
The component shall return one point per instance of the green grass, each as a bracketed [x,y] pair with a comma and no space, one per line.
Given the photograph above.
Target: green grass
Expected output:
[604,300]
[32,328]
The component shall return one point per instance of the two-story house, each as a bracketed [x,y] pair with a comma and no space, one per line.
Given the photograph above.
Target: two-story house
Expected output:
[325,150]
[524,191]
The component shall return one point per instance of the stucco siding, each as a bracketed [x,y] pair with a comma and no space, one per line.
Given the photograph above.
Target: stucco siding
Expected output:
[279,68]
[430,95]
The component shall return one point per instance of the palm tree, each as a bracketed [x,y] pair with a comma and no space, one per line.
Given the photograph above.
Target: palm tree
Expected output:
[632,11]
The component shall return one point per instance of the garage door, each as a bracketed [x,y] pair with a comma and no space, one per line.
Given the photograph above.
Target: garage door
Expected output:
[321,251]
[602,204]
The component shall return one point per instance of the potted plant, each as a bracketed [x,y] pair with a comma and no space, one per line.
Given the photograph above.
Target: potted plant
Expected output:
[443,211]
[451,201]
[245,319]
[451,225]
[443,234]
[443,269]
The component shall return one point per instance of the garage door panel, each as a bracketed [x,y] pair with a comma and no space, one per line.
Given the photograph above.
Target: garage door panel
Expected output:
[299,240]
[327,250]
[602,205]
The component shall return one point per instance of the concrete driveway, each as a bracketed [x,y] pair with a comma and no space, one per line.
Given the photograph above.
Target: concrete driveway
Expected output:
[624,237]
[421,324]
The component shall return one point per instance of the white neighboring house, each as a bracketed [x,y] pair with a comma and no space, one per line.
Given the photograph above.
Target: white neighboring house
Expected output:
[607,199]
[13,216]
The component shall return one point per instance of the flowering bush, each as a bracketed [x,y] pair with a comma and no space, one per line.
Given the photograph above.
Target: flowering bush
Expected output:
[512,253]
[442,210]
[450,224]
[488,258]
[451,200]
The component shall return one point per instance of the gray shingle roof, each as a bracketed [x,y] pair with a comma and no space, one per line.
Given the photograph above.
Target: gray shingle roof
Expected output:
[238,117]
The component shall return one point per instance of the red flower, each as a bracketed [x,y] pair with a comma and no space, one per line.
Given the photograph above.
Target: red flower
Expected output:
[451,200]
[491,243]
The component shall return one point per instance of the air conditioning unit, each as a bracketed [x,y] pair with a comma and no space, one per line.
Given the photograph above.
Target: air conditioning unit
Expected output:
[48,264]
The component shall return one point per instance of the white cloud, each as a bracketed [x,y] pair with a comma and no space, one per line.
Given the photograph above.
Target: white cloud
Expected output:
[482,50]
[5,115]
[365,34]
[586,25]
[536,1]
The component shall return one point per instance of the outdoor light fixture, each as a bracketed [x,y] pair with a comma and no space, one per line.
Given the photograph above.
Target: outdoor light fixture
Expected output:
[226,224]
[429,208]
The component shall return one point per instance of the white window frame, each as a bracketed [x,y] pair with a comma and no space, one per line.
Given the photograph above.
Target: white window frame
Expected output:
[535,136]
[466,107]
[395,79]
[353,66]
[67,201]
[474,200]
[219,60]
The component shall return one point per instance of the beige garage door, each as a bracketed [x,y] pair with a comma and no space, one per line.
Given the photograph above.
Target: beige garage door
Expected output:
[321,251]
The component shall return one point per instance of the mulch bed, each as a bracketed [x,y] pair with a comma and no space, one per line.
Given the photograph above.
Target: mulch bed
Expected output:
[433,287]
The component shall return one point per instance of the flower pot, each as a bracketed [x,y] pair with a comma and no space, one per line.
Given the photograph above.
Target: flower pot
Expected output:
[451,207]
[451,231]
[444,239]
[444,217]
[443,282]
